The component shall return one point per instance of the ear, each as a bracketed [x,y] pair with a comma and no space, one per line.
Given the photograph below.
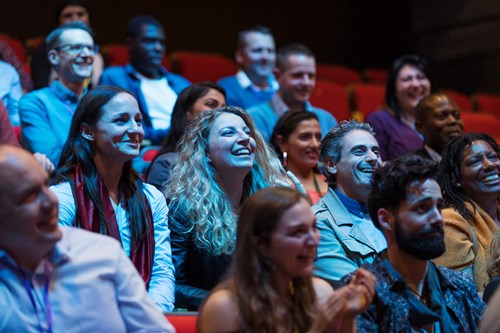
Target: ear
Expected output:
[419,127]
[86,132]
[53,57]
[238,57]
[283,146]
[277,73]
[386,219]
[331,167]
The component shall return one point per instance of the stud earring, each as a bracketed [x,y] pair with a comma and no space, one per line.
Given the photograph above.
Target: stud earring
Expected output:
[285,157]
[459,184]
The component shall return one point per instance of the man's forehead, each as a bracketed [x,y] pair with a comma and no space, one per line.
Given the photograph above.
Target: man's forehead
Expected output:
[151,30]
[423,188]
[359,138]
[75,36]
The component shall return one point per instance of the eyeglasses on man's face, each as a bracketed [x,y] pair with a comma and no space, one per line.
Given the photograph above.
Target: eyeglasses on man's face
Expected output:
[78,48]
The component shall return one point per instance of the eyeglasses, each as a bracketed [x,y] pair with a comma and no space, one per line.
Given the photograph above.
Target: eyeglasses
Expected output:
[78,48]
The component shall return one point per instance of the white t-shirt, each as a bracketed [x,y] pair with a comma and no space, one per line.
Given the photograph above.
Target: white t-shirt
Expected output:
[160,99]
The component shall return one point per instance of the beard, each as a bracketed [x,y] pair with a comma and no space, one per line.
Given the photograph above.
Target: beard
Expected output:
[420,245]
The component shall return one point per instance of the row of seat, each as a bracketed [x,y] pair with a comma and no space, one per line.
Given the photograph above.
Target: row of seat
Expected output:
[343,91]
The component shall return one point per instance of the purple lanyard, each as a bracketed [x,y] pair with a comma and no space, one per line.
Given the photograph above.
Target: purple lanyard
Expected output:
[30,290]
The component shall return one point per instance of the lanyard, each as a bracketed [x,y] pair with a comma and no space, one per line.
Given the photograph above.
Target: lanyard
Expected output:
[31,293]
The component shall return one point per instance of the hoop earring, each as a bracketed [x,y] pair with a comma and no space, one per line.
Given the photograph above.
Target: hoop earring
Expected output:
[285,157]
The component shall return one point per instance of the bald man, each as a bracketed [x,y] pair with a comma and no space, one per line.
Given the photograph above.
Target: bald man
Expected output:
[437,118]
[55,279]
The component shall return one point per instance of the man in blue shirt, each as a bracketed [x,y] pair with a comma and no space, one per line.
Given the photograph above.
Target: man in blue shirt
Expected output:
[153,86]
[256,56]
[349,155]
[46,113]
[296,75]
[61,279]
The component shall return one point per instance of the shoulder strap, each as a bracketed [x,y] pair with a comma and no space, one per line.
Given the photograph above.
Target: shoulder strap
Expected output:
[474,240]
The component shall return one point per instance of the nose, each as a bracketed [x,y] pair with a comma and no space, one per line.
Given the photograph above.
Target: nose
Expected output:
[437,217]
[312,237]
[49,200]
[315,142]
[87,51]
[487,164]
[243,138]
[371,156]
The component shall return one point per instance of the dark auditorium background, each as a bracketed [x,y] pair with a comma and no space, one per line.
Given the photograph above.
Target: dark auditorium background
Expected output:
[460,38]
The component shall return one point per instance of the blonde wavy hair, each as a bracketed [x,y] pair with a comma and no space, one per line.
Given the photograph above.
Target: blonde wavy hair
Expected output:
[195,196]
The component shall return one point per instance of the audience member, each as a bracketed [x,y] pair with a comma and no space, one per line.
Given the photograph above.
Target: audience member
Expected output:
[7,134]
[394,127]
[296,139]
[99,191]
[270,287]
[10,91]
[256,56]
[470,179]
[41,70]
[8,55]
[58,279]
[155,89]
[190,102]
[348,157]
[296,75]
[493,269]
[46,113]
[414,295]
[222,161]
[437,118]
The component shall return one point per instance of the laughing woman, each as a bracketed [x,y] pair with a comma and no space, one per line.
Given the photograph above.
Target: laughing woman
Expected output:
[98,190]
[270,287]
[222,161]
[470,180]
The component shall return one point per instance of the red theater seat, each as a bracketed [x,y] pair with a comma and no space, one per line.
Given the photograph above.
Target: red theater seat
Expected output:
[331,97]
[117,55]
[367,98]
[462,100]
[184,322]
[375,75]
[481,123]
[337,74]
[488,103]
[201,66]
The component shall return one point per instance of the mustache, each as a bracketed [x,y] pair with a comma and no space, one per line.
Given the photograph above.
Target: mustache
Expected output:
[439,229]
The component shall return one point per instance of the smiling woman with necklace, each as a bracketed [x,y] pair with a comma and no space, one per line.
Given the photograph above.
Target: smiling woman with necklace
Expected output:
[296,139]
[98,189]
[222,161]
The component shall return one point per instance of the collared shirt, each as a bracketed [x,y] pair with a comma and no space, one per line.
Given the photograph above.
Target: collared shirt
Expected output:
[390,309]
[435,156]
[353,206]
[94,287]
[46,116]
[245,82]
[162,283]
[10,91]
[265,116]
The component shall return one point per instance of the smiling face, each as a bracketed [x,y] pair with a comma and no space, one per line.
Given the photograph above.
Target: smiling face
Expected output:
[302,145]
[258,57]
[294,242]
[441,124]
[480,171]
[118,134]
[359,159]
[230,145]
[411,86]
[418,221]
[147,49]
[74,13]
[297,80]
[213,99]
[71,66]
[28,210]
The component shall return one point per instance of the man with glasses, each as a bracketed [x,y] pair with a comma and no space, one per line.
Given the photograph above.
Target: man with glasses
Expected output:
[154,87]
[46,113]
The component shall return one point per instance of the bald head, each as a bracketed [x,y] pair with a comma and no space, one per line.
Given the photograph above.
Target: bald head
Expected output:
[437,117]
[28,210]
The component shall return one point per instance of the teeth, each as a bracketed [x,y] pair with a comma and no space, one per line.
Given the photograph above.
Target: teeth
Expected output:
[489,178]
[242,152]
[367,170]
